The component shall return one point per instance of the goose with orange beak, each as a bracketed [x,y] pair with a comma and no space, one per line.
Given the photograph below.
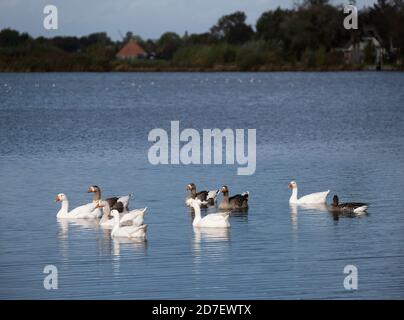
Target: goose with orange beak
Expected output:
[82,212]
[313,198]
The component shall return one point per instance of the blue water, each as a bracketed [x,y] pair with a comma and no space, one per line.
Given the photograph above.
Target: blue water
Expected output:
[338,131]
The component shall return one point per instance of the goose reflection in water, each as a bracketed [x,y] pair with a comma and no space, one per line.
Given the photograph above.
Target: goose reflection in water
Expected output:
[120,247]
[239,215]
[63,233]
[63,237]
[135,245]
[294,211]
[213,238]
[85,223]
[65,224]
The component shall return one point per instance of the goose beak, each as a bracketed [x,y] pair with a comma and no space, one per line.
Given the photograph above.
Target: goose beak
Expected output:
[290,186]
[57,199]
[90,189]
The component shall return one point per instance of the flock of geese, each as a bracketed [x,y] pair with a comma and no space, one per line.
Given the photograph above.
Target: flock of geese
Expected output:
[114,214]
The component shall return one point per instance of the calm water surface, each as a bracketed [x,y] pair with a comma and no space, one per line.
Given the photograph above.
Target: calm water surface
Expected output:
[337,131]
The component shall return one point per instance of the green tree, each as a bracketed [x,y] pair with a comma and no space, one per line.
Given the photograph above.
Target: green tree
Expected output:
[168,44]
[387,18]
[320,56]
[9,38]
[100,38]
[269,24]
[205,38]
[233,29]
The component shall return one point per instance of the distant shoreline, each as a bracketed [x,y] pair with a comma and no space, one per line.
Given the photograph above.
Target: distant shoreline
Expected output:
[226,69]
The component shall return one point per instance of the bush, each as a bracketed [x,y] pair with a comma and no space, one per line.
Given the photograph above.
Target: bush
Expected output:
[205,56]
[320,56]
[252,55]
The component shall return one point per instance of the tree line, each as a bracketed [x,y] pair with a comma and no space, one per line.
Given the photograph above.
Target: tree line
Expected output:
[307,36]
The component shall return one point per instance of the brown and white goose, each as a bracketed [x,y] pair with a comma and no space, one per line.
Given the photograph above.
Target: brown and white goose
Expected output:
[238,201]
[208,198]
[97,195]
[348,207]
[111,201]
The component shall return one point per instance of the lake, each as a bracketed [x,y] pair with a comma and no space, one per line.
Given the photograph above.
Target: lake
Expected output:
[62,132]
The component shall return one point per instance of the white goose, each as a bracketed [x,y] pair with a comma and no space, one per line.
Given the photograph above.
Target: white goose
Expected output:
[313,198]
[133,217]
[128,231]
[136,216]
[212,220]
[82,212]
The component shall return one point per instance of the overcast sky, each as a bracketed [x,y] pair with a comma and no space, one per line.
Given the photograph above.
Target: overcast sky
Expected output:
[147,18]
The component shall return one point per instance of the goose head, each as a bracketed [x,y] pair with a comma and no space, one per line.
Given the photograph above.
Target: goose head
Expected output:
[93,189]
[60,197]
[115,213]
[191,186]
[292,185]
[224,189]
[335,201]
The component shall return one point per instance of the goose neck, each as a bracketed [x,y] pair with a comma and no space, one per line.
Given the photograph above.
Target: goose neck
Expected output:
[106,211]
[293,197]
[116,224]
[65,206]
[197,212]
[97,195]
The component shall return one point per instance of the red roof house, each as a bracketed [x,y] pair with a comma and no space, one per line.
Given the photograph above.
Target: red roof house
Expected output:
[131,50]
